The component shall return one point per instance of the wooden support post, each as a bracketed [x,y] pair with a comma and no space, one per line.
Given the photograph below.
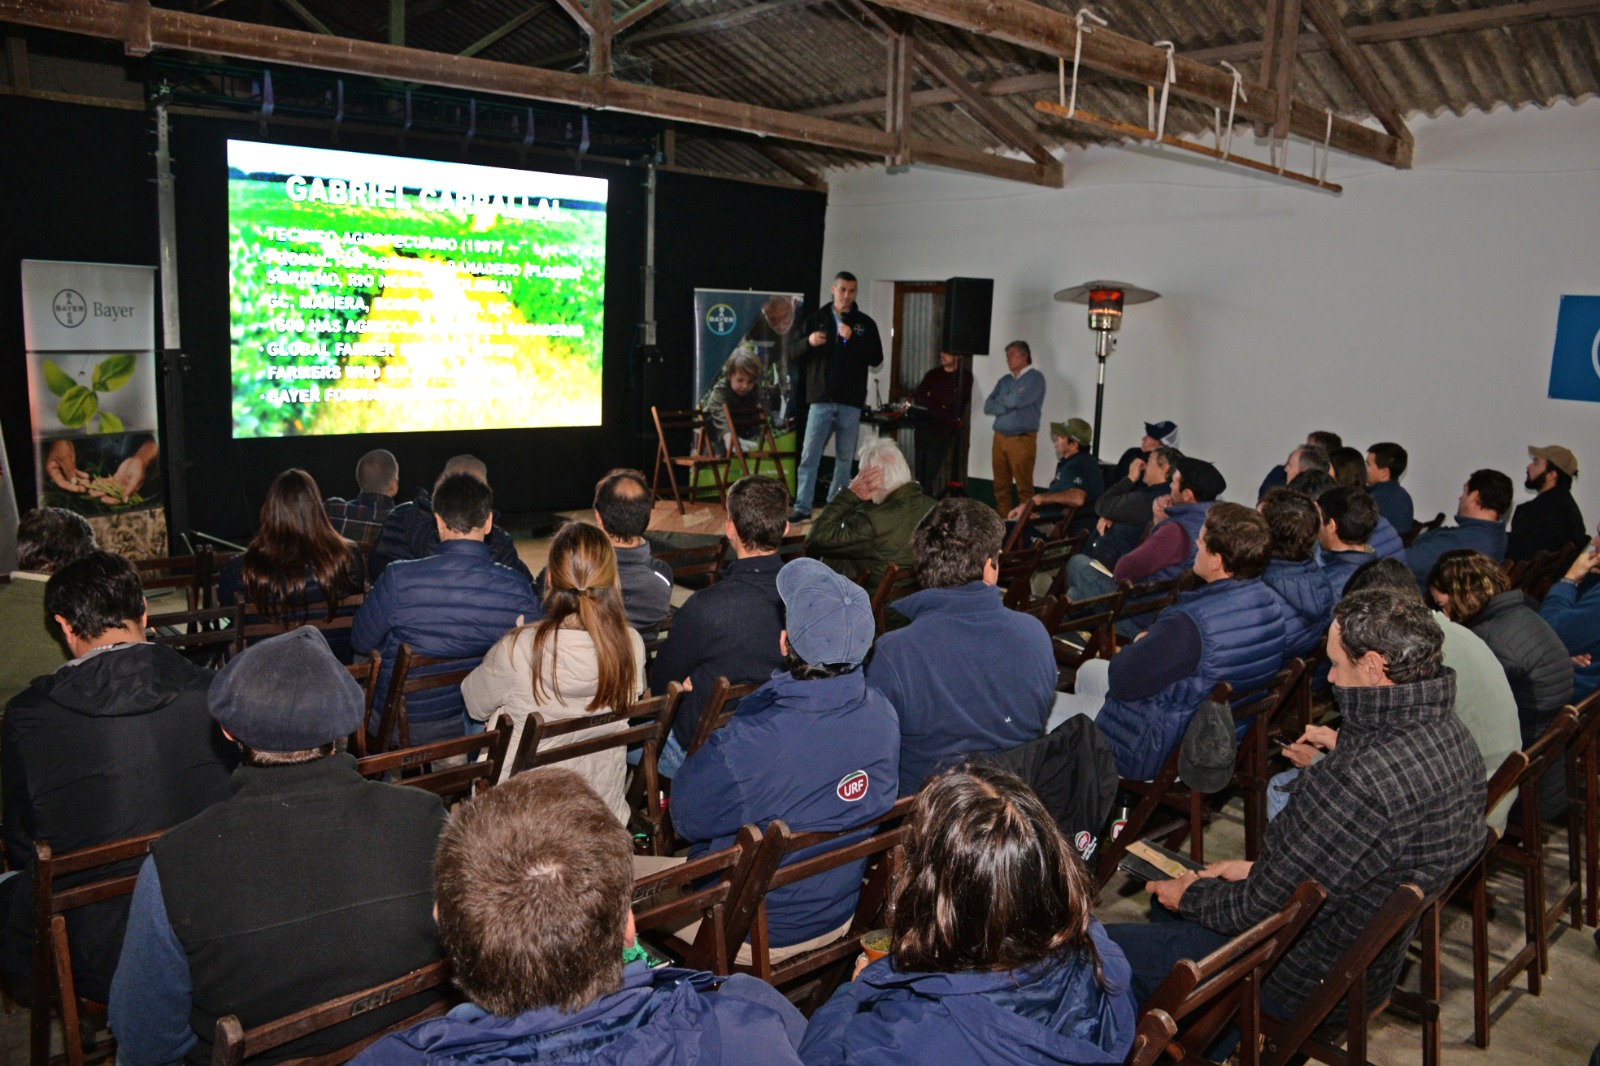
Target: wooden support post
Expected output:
[397,21]
[17,59]
[897,116]
[1277,62]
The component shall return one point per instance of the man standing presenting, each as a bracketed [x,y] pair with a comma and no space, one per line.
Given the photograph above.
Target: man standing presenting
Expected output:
[842,344]
[1551,520]
[1015,404]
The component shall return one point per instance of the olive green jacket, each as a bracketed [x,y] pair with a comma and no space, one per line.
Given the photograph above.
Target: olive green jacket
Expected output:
[851,533]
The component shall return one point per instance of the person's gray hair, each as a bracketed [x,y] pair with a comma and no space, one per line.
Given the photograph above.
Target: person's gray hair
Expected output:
[1314,457]
[1396,625]
[885,454]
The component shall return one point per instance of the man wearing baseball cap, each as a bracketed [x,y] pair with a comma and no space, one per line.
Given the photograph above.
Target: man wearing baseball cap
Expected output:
[814,746]
[1077,482]
[310,882]
[1551,520]
[1156,435]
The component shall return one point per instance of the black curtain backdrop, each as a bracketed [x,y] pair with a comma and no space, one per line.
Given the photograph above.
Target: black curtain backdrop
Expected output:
[83,190]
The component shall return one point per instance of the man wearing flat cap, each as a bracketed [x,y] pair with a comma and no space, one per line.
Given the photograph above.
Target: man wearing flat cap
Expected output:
[815,746]
[1551,520]
[310,882]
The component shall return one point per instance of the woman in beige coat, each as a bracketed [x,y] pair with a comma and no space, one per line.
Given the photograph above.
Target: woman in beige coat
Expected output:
[579,659]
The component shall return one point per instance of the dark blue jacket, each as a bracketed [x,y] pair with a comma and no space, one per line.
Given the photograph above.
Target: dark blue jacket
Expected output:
[1306,600]
[1241,642]
[1394,503]
[1338,566]
[793,751]
[410,533]
[1129,508]
[657,1018]
[1276,478]
[1575,616]
[1080,471]
[1479,534]
[1054,1012]
[455,604]
[729,630]
[1385,542]
[968,675]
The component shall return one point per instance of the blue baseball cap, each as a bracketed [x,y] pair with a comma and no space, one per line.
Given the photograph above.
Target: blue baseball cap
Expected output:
[829,617]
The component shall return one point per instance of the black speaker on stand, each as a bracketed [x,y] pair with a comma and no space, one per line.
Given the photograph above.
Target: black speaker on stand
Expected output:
[968,303]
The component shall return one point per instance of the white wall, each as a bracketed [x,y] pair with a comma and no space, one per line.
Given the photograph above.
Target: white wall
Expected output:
[1419,306]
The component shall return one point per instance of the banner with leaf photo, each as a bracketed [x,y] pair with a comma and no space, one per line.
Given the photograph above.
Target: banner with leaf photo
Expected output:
[90,332]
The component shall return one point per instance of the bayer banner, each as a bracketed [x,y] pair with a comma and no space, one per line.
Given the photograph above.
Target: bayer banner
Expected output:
[89,330]
[765,324]
[1575,364]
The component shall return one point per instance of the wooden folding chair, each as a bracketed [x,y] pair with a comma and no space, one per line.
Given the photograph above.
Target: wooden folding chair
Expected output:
[258,627]
[1203,997]
[696,567]
[1054,555]
[1304,1033]
[1032,526]
[1522,849]
[1419,528]
[1150,598]
[1016,571]
[647,799]
[690,923]
[700,454]
[207,636]
[644,722]
[233,1043]
[718,710]
[752,423]
[116,866]
[1150,1038]
[830,963]
[418,767]
[1583,804]
[192,574]
[1537,575]
[366,672]
[404,682]
[896,584]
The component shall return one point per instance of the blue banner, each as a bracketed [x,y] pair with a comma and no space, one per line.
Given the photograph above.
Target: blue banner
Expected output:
[1575,366]
[766,324]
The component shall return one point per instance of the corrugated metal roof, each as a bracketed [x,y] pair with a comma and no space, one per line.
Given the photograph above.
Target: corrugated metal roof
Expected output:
[808,55]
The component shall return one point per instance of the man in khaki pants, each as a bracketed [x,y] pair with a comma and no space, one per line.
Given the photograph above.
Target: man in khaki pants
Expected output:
[1015,404]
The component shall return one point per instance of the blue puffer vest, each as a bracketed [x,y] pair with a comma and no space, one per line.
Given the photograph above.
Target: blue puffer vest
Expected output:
[1306,599]
[1191,516]
[1385,541]
[1241,642]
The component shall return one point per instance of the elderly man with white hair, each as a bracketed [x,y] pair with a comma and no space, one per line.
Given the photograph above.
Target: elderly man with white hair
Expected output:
[870,525]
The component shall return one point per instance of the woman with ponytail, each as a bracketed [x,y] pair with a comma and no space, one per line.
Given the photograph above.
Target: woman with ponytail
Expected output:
[580,658]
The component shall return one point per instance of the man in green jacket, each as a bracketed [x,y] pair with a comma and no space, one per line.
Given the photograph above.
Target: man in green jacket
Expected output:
[870,525]
[48,538]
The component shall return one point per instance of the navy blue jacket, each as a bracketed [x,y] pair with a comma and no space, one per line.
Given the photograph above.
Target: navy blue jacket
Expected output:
[657,1018]
[1394,503]
[968,675]
[1338,566]
[1129,507]
[1080,471]
[795,750]
[1479,534]
[410,533]
[1385,542]
[729,630]
[1052,1012]
[1241,642]
[455,605]
[1306,600]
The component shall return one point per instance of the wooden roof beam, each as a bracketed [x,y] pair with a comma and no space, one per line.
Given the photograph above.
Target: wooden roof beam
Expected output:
[183,31]
[1277,62]
[1043,29]
[1374,93]
[637,14]
[505,29]
[989,113]
[790,164]
[726,20]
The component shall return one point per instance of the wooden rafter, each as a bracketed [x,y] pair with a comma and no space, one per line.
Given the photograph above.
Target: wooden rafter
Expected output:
[299,11]
[1504,15]
[984,109]
[1377,96]
[537,8]
[1277,62]
[183,31]
[1043,29]
[635,15]
[792,165]
[696,27]
[397,21]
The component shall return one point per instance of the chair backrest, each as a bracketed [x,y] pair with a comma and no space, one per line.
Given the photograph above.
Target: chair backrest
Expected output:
[208,635]
[1150,597]
[1549,748]
[1054,556]
[366,672]
[830,850]
[191,573]
[697,567]
[1150,1038]
[1033,526]
[52,956]
[404,681]
[1016,570]
[718,709]
[234,1043]
[1545,568]
[415,767]
[1204,996]
[1096,616]
[1347,979]
[316,615]
[704,888]
[646,721]
[896,584]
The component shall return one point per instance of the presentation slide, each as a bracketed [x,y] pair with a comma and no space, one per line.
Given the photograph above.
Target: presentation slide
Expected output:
[376,294]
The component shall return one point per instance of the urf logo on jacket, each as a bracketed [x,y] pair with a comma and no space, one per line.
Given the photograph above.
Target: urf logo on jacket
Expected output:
[852,786]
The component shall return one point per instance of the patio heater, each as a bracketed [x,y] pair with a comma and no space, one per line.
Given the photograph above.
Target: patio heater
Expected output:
[1105,300]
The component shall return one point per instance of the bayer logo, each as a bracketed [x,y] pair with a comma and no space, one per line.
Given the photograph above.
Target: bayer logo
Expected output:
[70,308]
[721,320]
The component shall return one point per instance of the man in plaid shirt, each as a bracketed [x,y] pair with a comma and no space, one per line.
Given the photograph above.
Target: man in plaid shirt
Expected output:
[360,519]
[1399,799]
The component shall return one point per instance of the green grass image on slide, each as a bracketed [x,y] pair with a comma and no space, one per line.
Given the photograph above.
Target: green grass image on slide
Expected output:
[461,332]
